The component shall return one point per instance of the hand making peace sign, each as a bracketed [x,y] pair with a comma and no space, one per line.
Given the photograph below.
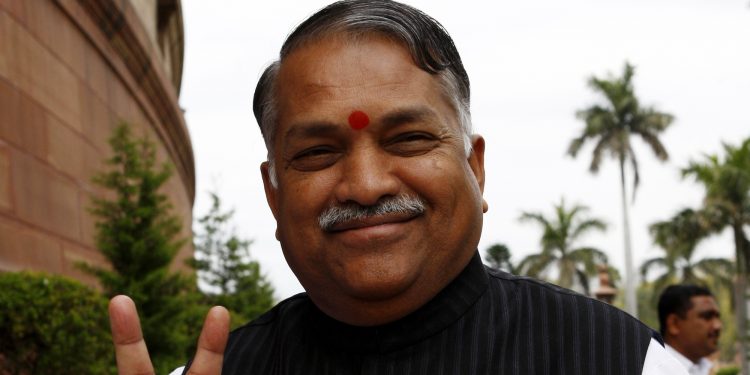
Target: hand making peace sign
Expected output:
[132,354]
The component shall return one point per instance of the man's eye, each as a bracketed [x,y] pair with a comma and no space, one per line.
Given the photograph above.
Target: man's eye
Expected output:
[709,315]
[313,152]
[414,137]
[314,158]
[412,144]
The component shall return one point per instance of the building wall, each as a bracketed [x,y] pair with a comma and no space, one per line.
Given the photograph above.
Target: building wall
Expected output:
[70,71]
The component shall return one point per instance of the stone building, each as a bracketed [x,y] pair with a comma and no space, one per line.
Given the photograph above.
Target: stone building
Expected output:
[70,71]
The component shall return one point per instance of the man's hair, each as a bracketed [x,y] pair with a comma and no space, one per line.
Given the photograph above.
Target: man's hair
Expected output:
[676,300]
[429,44]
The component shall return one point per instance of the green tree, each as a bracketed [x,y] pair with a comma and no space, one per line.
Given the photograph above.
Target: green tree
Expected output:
[679,237]
[498,257]
[648,297]
[138,235]
[52,325]
[224,264]
[609,126]
[559,249]
[726,204]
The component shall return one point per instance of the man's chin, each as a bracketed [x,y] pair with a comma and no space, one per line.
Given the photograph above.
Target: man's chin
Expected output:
[713,348]
[374,286]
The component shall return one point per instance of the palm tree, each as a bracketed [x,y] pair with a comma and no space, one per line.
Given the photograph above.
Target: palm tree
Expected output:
[679,237]
[609,125]
[498,257]
[727,205]
[559,250]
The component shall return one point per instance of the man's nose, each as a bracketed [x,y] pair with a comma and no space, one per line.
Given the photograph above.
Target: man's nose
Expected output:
[366,176]
[717,324]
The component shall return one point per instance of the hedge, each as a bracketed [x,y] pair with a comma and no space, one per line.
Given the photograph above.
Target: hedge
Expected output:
[53,325]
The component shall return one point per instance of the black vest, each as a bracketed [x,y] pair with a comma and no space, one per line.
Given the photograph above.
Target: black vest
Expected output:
[484,322]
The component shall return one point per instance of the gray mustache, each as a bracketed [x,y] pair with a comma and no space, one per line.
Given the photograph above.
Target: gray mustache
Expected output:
[402,204]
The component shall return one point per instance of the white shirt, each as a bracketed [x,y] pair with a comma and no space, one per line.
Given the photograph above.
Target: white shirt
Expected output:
[703,367]
[657,362]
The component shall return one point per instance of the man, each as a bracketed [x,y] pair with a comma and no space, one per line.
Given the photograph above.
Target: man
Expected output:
[375,180]
[690,323]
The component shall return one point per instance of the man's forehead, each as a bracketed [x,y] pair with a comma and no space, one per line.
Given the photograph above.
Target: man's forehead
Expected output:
[703,303]
[335,69]
[365,47]
[339,34]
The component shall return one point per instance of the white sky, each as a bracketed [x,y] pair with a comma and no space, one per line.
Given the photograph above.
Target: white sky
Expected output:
[528,62]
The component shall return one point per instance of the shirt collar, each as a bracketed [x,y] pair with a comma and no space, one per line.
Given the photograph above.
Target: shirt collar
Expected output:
[444,309]
[693,368]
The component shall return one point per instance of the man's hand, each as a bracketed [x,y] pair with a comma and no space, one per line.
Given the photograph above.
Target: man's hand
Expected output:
[130,348]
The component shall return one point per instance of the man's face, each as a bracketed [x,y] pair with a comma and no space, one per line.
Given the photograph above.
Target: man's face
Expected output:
[698,333]
[373,270]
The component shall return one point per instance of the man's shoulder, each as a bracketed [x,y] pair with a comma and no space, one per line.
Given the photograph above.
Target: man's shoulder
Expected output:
[520,287]
[567,326]
[524,286]
[533,294]
[528,283]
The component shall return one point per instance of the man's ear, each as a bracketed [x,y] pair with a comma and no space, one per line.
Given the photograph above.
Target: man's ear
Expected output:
[673,324]
[271,191]
[476,163]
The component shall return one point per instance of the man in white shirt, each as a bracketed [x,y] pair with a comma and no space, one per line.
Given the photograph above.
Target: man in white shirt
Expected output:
[690,323]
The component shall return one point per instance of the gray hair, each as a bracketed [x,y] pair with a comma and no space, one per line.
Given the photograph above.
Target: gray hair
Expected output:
[351,211]
[429,44]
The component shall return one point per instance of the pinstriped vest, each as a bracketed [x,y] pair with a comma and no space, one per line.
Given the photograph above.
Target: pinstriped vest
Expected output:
[484,322]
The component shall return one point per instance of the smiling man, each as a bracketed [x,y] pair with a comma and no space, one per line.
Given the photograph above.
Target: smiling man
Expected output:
[375,180]
[362,219]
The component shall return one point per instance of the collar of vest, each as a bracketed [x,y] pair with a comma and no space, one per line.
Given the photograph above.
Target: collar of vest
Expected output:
[445,308]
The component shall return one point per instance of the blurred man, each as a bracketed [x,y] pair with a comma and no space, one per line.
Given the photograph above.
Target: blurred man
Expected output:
[375,180]
[690,324]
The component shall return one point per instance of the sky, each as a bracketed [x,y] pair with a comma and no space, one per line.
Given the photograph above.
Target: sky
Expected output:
[528,63]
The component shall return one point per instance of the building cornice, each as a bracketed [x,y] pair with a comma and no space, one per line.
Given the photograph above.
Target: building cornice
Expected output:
[117,32]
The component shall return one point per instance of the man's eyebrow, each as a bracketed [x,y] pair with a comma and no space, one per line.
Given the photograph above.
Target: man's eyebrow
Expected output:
[709,313]
[312,129]
[408,115]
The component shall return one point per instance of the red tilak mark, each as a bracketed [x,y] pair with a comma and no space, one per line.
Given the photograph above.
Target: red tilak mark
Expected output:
[358,120]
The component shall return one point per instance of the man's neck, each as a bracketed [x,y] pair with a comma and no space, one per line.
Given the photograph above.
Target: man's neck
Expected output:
[678,349]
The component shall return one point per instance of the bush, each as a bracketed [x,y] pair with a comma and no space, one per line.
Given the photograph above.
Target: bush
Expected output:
[52,325]
[731,370]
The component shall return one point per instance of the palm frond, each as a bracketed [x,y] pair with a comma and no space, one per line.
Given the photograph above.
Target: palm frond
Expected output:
[586,226]
[534,217]
[602,145]
[652,263]
[721,268]
[649,120]
[534,265]
[583,279]
[636,173]
[575,145]
[499,257]
[588,258]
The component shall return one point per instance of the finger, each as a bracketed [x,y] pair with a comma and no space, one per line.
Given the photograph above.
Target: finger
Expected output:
[213,340]
[130,349]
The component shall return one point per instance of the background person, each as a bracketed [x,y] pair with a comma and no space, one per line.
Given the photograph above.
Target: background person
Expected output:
[690,323]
